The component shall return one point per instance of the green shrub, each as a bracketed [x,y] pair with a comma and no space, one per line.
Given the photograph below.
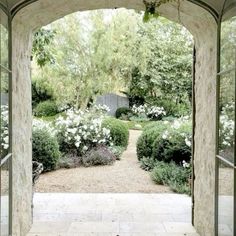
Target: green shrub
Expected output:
[41,91]
[123,112]
[47,108]
[139,118]
[154,124]
[175,176]
[145,141]
[173,109]
[173,147]
[117,151]
[45,149]
[118,130]
[148,164]
[99,155]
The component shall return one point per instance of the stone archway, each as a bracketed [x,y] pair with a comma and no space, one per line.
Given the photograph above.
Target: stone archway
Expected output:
[204,29]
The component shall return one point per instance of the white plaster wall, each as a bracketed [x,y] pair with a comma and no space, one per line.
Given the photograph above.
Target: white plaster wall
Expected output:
[202,26]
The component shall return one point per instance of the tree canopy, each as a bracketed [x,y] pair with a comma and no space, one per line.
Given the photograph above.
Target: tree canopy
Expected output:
[91,53]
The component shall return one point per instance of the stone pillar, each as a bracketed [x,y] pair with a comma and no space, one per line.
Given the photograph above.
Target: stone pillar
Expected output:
[203,27]
[205,132]
[22,123]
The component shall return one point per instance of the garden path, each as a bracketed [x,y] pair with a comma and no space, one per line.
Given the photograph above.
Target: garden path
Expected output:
[125,176]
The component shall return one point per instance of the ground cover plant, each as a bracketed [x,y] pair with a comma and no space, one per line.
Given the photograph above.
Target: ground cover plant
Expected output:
[177,177]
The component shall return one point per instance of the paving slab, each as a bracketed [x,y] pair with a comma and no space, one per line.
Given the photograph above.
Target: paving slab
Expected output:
[67,214]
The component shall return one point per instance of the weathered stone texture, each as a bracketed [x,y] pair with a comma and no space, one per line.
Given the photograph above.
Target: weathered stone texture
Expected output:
[22,154]
[204,190]
[202,26]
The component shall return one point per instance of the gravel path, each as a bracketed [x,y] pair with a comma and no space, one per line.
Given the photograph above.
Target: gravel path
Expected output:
[124,176]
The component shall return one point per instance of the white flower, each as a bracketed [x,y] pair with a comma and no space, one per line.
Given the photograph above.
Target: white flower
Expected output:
[188,143]
[77,144]
[165,135]
[176,124]
[106,131]
[5,146]
[73,131]
[185,164]
[101,108]
[6,139]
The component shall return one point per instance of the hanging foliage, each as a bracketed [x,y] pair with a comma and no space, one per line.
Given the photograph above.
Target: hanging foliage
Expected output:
[41,50]
[151,8]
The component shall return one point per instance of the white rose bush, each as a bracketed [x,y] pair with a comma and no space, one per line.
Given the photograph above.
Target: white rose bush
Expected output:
[42,125]
[4,130]
[227,127]
[151,112]
[78,131]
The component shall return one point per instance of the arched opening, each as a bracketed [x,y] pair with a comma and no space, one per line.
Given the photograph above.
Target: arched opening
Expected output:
[92,183]
[204,29]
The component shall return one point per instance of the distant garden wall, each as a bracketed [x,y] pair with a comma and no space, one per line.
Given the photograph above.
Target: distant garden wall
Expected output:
[113,101]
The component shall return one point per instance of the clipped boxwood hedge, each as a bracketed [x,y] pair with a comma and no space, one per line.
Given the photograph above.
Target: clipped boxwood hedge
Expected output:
[119,131]
[45,149]
[123,111]
[47,108]
[146,140]
[173,147]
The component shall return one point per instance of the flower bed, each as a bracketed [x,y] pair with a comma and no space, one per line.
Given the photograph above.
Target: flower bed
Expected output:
[82,138]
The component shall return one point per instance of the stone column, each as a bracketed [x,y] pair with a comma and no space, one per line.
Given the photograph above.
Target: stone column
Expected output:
[22,123]
[203,27]
[205,132]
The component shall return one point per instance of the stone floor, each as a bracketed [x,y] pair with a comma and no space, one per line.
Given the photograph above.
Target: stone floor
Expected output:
[226,215]
[4,200]
[112,215]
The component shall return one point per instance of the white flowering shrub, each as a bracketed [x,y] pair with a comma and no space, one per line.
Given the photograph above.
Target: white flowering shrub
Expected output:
[79,131]
[166,141]
[175,143]
[42,125]
[152,112]
[155,112]
[4,130]
[141,109]
[101,108]
[227,127]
